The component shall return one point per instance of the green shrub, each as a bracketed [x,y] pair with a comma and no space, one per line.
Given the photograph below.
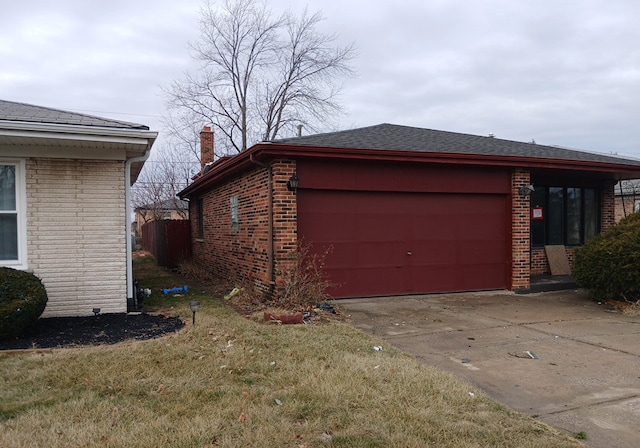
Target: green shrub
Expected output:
[609,264]
[22,301]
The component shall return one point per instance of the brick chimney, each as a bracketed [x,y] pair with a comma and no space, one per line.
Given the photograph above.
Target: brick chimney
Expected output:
[206,146]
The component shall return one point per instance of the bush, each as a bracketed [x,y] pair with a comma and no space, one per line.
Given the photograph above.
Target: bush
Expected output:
[22,301]
[304,279]
[609,264]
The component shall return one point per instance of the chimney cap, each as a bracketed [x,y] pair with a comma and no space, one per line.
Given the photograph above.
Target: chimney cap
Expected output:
[206,129]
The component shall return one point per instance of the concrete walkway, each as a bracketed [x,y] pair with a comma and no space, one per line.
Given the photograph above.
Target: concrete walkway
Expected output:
[557,356]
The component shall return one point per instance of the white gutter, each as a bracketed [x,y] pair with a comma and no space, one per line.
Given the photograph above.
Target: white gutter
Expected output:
[127,205]
[73,131]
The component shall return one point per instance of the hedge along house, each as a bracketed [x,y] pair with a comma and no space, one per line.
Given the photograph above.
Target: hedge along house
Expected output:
[65,201]
[403,210]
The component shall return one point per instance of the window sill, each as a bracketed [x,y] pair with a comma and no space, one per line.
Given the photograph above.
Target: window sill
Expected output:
[567,246]
[199,240]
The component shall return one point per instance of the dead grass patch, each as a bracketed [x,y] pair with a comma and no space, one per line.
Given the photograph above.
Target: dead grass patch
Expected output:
[229,382]
[628,308]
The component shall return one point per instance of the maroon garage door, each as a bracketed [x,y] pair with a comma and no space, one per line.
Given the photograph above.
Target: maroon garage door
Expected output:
[402,243]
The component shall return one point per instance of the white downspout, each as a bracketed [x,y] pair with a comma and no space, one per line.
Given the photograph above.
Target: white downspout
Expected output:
[127,205]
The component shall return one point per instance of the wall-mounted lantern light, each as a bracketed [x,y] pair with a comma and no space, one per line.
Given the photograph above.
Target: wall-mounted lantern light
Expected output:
[194,305]
[292,183]
[526,190]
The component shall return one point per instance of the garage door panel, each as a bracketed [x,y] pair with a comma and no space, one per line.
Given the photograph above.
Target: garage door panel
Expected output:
[479,276]
[339,256]
[379,227]
[379,254]
[395,243]
[433,252]
[372,281]
[336,227]
[439,278]
[481,232]
[347,255]
[433,227]
[479,252]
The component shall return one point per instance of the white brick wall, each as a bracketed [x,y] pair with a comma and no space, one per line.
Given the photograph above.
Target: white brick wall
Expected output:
[76,234]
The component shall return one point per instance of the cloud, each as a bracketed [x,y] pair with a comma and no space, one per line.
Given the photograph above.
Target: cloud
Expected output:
[563,73]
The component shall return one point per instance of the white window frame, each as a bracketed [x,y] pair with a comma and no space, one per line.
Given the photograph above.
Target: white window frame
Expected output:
[21,210]
[235,215]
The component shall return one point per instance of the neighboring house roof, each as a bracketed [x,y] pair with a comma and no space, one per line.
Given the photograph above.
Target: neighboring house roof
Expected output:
[389,142]
[12,111]
[169,204]
[628,187]
[36,131]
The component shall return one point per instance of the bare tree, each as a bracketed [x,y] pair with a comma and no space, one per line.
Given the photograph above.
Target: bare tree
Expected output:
[260,75]
[629,194]
[162,177]
[183,131]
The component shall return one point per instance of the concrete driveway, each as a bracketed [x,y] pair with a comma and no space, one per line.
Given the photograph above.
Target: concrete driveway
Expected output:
[557,356]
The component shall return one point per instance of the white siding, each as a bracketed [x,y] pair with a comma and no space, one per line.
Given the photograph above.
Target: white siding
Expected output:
[76,234]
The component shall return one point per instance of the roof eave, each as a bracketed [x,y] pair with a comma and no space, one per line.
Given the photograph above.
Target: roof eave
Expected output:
[219,171]
[23,129]
[268,150]
[276,150]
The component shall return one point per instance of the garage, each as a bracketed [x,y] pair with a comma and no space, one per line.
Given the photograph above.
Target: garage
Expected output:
[385,243]
[403,210]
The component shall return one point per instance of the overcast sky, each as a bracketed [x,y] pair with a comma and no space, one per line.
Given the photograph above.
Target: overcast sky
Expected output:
[560,72]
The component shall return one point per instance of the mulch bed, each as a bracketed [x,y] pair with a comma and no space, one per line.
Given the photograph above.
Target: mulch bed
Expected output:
[58,332]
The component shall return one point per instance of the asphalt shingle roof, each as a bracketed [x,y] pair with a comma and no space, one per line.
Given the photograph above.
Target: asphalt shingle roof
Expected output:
[12,111]
[405,138]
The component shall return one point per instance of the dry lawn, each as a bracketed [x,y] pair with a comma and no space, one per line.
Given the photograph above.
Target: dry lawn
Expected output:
[231,382]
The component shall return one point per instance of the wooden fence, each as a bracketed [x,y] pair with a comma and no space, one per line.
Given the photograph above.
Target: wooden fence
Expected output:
[168,240]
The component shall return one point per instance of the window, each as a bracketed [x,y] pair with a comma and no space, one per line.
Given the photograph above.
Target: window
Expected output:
[12,221]
[574,216]
[555,216]
[235,220]
[571,215]
[591,214]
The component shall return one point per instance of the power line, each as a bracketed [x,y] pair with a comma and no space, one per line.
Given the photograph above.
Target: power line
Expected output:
[116,113]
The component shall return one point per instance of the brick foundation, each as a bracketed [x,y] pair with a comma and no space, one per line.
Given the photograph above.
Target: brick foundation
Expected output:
[539,263]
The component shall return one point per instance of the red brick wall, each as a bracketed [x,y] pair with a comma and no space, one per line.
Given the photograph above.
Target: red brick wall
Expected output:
[242,255]
[627,208]
[235,255]
[520,234]
[608,207]
[539,263]
[285,218]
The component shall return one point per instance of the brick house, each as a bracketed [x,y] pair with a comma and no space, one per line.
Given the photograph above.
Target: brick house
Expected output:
[65,183]
[163,210]
[403,210]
